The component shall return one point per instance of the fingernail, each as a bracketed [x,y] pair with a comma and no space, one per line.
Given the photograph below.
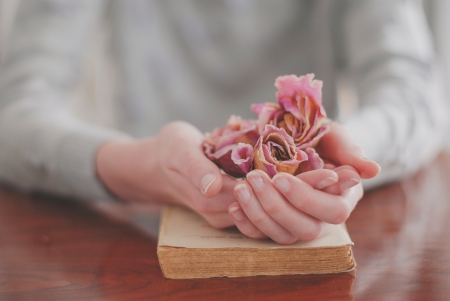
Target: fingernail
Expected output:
[282,183]
[256,181]
[242,193]
[237,213]
[326,182]
[349,183]
[364,158]
[373,162]
[206,182]
[368,160]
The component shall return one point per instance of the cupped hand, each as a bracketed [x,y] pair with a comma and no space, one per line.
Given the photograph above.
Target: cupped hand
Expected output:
[288,208]
[171,168]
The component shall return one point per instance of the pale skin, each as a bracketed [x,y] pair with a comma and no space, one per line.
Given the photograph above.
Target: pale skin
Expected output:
[172,168]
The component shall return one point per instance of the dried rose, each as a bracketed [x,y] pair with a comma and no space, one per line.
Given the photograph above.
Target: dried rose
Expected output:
[299,110]
[314,161]
[231,147]
[276,152]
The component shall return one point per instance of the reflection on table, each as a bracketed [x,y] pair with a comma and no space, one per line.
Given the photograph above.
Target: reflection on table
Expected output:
[57,249]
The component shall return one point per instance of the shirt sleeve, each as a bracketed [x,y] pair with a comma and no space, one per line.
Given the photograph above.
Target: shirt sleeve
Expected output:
[386,50]
[42,145]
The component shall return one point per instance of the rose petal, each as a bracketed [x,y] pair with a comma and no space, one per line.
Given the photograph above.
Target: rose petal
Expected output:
[266,113]
[219,145]
[267,155]
[257,107]
[270,169]
[302,97]
[313,142]
[288,86]
[242,156]
[291,108]
[314,162]
[225,162]
[273,143]
[245,132]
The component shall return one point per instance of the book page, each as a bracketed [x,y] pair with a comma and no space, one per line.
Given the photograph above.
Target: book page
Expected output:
[181,227]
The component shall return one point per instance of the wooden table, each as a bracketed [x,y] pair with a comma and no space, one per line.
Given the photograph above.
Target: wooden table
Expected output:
[53,249]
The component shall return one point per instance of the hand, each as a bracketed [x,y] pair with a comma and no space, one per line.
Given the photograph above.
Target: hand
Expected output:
[170,167]
[289,208]
[338,148]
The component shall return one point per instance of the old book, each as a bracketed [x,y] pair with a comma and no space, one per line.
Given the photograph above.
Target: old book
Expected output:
[189,248]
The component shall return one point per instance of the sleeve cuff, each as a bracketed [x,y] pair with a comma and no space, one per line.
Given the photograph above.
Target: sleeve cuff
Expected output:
[76,162]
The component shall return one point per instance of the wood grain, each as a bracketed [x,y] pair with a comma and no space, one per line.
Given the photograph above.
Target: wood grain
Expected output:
[57,249]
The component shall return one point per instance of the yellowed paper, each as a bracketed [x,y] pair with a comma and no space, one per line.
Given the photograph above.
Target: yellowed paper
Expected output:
[185,229]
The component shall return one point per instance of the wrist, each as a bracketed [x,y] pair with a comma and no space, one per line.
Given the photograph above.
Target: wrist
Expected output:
[123,165]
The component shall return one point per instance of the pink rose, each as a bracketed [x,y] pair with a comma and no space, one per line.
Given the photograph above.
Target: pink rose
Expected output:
[299,110]
[314,162]
[231,147]
[282,139]
[276,152]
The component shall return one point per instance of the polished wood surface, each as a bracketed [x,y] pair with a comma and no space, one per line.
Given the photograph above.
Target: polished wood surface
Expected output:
[55,249]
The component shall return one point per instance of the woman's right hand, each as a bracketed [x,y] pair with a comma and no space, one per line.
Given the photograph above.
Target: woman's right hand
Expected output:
[170,167]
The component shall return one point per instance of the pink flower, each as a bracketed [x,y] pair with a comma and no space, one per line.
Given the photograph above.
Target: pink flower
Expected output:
[231,147]
[314,161]
[299,110]
[281,140]
[276,152]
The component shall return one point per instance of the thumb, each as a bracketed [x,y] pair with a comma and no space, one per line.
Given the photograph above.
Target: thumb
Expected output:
[185,155]
[339,147]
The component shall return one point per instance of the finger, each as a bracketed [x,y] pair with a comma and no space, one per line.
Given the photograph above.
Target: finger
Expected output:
[348,178]
[185,155]
[333,209]
[219,220]
[191,197]
[319,178]
[329,166]
[338,146]
[299,224]
[256,214]
[243,223]
[213,210]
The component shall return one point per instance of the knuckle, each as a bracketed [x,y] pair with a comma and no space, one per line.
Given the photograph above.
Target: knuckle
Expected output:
[342,212]
[169,159]
[256,234]
[356,150]
[190,169]
[168,165]
[286,240]
[202,207]
[272,208]
[313,232]
[169,130]
[360,192]
[173,127]
[216,223]
[304,201]
[258,219]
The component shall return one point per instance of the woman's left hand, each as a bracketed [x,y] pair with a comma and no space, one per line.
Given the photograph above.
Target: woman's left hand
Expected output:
[289,208]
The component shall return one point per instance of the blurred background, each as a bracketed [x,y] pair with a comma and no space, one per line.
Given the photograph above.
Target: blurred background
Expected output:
[91,100]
